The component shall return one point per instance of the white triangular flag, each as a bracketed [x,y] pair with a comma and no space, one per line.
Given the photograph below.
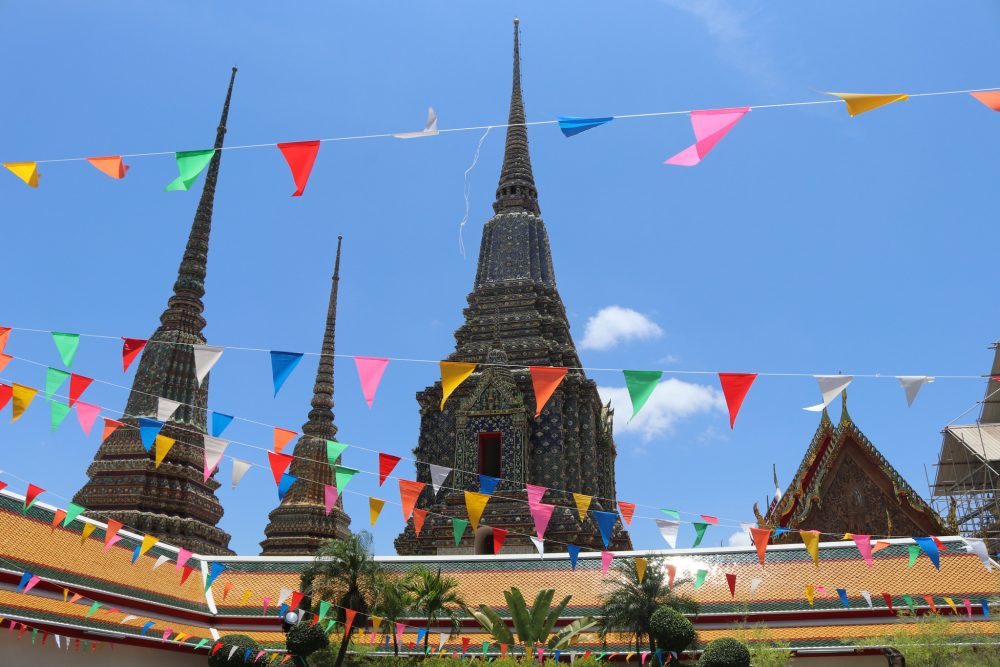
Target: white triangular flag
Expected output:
[829,386]
[442,638]
[231,651]
[240,468]
[430,127]
[978,547]
[165,409]
[205,357]
[540,545]
[911,385]
[668,529]
[868,598]
[438,475]
[128,617]
[160,561]
[754,584]
[214,449]
[58,641]
[283,595]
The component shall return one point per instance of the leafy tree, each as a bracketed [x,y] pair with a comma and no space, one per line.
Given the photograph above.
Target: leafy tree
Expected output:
[671,630]
[221,657]
[435,598]
[392,601]
[630,604]
[725,652]
[533,625]
[304,639]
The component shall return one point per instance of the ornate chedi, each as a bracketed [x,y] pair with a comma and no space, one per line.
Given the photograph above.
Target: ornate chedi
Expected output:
[515,319]
[173,502]
[300,523]
[845,485]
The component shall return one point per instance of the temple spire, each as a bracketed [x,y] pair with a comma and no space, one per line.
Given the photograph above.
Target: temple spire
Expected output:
[516,189]
[184,308]
[320,424]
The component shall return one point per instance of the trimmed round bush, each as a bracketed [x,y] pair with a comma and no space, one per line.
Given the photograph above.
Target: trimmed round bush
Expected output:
[671,629]
[242,642]
[304,639]
[725,652]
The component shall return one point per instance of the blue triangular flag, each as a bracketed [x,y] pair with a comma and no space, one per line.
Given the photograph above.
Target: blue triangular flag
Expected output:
[573,551]
[605,523]
[387,642]
[842,592]
[135,554]
[282,365]
[246,656]
[659,656]
[214,570]
[285,484]
[488,484]
[570,125]
[986,607]
[930,548]
[148,430]
[556,655]
[420,634]
[219,423]
[780,531]
[146,627]
[25,578]
[282,609]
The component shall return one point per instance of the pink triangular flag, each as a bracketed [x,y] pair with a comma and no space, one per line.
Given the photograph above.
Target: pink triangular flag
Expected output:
[709,126]
[182,558]
[370,371]
[86,414]
[541,513]
[535,493]
[330,497]
[864,544]
[32,582]
[606,557]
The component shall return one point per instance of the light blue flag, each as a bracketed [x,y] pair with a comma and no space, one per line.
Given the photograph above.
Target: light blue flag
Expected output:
[282,365]
[148,430]
[488,484]
[285,484]
[214,570]
[606,524]
[146,627]
[135,554]
[219,423]
[571,126]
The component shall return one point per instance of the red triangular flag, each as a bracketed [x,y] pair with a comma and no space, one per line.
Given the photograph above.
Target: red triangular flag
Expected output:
[77,385]
[296,600]
[627,510]
[418,520]
[57,519]
[6,391]
[731,580]
[499,535]
[671,573]
[110,426]
[279,464]
[386,462]
[187,573]
[544,380]
[348,621]
[940,545]
[300,156]
[735,387]
[888,602]
[111,165]
[32,493]
[282,436]
[130,350]
[409,491]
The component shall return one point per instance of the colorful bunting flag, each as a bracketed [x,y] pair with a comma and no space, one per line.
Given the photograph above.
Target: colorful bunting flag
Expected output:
[488,484]
[859,103]
[541,513]
[375,506]
[300,156]
[605,523]
[499,535]
[342,475]
[86,414]
[627,511]
[165,408]
[110,426]
[58,412]
[735,387]
[330,497]
[430,128]
[544,380]
[279,464]
[282,436]
[214,449]
[6,391]
[85,533]
[4,360]
[148,542]
[111,165]
[23,396]
[458,529]
[284,484]
[990,98]
[163,445]
[914,551]
[640,568]
[30,495]
[419,516]
[370,371]
[760,537]
[26,171]
[72,512]
[131,347]
[282,365]
[710,126]
[571,126]
[640,385]
[386,463]
[829,387]
[879,545]
[978,547]
[574,553]
[606,558]
[668,529]
[810,594]
[453,373]
[438,476]
[240,468]
[582,505]
[25,578]
[475,503]
[535,493]
[219,423]
[864,544]
[731,581]
[189,165]
[54,379]
[911,385]
[205,357]
[699,530]
[699,578]
[951,603]
[755,584]
[811,539]
[930,548]
[842,593]
[148,430]
[909,603]
[111,533]
[333,451]
[409,491]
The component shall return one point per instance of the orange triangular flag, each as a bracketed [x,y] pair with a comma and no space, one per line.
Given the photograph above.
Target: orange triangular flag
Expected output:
[418,520]
[110,426]
[989,98]
[282,436]
[760,537]
[627,510]
[111,165]
[57,518]
[409,491]
[879,545]
[111,532]
[544,380]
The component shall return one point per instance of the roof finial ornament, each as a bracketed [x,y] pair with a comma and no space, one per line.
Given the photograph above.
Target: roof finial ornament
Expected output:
[516,189]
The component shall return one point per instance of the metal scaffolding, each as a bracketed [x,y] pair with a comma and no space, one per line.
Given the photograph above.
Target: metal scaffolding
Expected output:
[966,484]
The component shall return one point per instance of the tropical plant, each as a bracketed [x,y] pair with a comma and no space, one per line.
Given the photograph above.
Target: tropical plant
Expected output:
[764,651]
[392,601]
[225,656]
[304,639]
[435,598]
[344,570]
[533,625]
[671,629]
[630,603]
[725,652]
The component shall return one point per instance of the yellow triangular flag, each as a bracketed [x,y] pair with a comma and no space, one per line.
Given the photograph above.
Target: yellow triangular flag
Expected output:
[26,171]
[375,506]
[163,445]
[810,592]
[474,504]
[582,505]
[640,568]
[246,596]
[23,396]
[951,603]
[148,541]
[811,539]
[376,624]
[859,103]
[88,528]
[453,373]
[66,594]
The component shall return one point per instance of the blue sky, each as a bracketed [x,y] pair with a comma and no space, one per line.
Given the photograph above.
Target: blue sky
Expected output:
[807,242]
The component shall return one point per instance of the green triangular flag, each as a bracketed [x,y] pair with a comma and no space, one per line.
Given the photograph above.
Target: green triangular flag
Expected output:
[914,554]
[59,412]
[54,378]
[699,578]
[329,626]
[673,514]
[640,387]
[200,644]
[86,645]
[699,529]
[34,634]
[67,344]
[93,608]
[343,475]
[189,164]
[458,527]
[333,451]
[72,511]
[909,603]
[324,608]
[486,647]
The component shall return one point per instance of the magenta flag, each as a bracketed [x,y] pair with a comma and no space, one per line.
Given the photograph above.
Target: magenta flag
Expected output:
[86,414]
[709,127]
[541,513]
[535,493]
[330,496]
[370,371]
[864,544]
[606,557]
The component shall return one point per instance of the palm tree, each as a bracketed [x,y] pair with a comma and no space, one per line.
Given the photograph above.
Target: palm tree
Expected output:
[435,597]
[392,602]
[628,606]
[345,571]
[533,625]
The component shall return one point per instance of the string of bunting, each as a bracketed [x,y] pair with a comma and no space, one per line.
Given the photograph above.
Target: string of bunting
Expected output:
[709,127]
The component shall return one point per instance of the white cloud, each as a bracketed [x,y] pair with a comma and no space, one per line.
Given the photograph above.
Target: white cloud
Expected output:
[613,325]
[740,538]
[672,400]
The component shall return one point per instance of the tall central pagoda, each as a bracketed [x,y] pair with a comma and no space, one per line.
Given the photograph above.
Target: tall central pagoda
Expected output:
[515,319]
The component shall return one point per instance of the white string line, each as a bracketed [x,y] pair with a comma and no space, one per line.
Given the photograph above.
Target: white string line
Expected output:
[467,191]
[668,371]
[655,114]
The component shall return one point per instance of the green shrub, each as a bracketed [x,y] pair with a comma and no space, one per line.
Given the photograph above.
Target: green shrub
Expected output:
[725,652]
[242,642]
[304,639]
[671,629]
